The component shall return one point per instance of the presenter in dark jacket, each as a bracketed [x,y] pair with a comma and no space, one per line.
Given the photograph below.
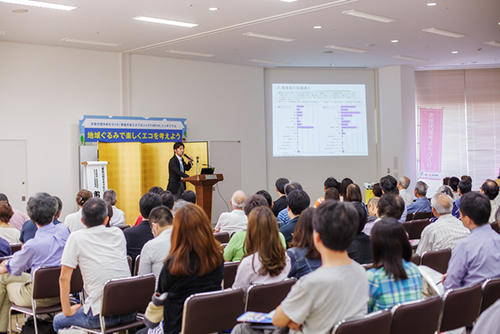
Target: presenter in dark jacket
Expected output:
[177,170]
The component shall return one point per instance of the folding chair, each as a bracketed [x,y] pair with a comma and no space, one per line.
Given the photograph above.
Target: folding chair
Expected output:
[378,322]
[130,264]
[415,258]
[222,237]
[266,297]
[212,312]
[417,226]
[416,317]
[437,260]
[409,216]
[230,269]
[15,248]
[122,296]
[491,293]
[460,307]
[422,215]
[136,265]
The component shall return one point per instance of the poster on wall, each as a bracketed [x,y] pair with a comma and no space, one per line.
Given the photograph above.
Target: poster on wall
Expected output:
[431,135]
[121,129]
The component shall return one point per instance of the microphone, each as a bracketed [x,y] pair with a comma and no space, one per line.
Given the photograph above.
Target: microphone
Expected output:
[188,157]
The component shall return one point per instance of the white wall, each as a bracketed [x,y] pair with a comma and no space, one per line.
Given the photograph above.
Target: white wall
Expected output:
[43,91]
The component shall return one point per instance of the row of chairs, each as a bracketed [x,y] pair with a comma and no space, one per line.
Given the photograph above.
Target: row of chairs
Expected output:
[457,308]
[418,215]
[415,227]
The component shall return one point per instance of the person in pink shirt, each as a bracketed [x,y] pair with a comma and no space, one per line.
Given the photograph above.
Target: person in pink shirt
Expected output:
[18,218]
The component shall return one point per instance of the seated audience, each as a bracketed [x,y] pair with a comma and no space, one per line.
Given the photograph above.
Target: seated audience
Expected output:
[282,217]
[343,187]
[464,186]
[101,255]
[234,251]
[389,185]
[179,204]
[304,257]
[360,249]
[489,321]
[490,189]
[372,209]
[167,198]
[297,201]
[403,185]
[267,196]
[353,193]
[118,217]
[453,183]
[5,249]
[421,204]
[476,257]
[74,220]
[265,260]
[235,220]
[331,193]
[194,265]
[29,228]
[189,196]
[390,206]
[446,231]
[138,235]
[377,190]
[154,190]
[280,203]
[7,232]
[156,250]
[446,181]
[45,249]
[18,218]
[330,183]
[393,278]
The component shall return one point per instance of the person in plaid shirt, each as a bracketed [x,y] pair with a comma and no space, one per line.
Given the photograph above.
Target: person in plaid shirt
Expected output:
[394,279]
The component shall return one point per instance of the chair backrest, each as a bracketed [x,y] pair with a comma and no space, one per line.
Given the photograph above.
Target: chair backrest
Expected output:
[407,226]
[123,227]
[437,260]
[460,307]
[266,297]
[415,258]
[422,215]
[367,266]
[15,248]
[126,295]
[417,226]
[76,281]
[136,265]
[46,282]
[211,312]
[416,317]
[409,216]
[230,269]
[130,264]
[495,227]
[222,237]
[491,293]
[378,322]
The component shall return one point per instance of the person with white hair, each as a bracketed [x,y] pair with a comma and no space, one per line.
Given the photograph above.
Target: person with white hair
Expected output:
[403,185]
[235,220]
[118,218]
[421,204]
[446,231]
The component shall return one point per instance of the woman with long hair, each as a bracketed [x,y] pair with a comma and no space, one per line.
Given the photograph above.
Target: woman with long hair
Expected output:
[393,278]
[74,220]
[303,255]
[194,264]
[343,188]
[265,258]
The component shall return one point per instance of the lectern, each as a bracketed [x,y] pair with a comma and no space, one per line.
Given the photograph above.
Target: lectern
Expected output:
[203,185]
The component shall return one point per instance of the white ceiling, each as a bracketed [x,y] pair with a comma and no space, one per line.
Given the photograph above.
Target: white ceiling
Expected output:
[221,32]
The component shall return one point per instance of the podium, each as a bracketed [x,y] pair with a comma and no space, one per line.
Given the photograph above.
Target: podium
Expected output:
[203,185]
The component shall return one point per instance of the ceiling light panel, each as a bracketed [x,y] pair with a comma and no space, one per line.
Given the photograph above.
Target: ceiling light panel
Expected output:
[82,41]
[369,16]
[345,48]
[444,32]
[4,32]
[167,22]
[493,43]
[410,58]
[39,4]
[274,38]
[267,62]
[188,53]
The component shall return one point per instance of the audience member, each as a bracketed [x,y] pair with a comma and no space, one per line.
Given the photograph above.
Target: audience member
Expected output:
[372,209]
[343,187]
[156,190]
[29,228]
[490,189]
[330,183]
[393,278]
[464,186]
[280,203]
[101,255]
[118,217]
[304,256]
[45,249]
[403,185]
[466,177]
[353,193]
[194,265]
[489,321]
[179,204]
[138,235]
[189,196]
[266,260]
[156,250]
[7,232]
[283,218]
[377,190]
[18,218]
[389,185]
[446,180]
[74,220]
[167,198]
[235,220]
[360,249]
[390,206]
[297,201]
[331,193]
[421,204]
[453,183]
[5,249]
[446,231]
[476,257]
[267,196]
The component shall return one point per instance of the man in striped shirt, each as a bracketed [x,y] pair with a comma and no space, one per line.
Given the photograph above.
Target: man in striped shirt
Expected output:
[446,231]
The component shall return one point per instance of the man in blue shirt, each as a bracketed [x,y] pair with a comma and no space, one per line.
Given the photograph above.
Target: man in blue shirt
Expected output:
[29,228]
[297,201]
[43,250]
[421,204]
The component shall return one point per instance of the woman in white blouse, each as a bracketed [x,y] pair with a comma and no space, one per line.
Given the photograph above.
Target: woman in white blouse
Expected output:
[74,220]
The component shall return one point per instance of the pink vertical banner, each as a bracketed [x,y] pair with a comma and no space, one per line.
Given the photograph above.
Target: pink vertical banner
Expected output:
[431,139]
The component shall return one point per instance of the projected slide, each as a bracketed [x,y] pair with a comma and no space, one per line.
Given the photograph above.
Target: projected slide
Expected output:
[319,120]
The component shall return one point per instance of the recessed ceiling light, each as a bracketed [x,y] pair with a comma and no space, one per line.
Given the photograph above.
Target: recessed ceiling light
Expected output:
[345,48]
[82,41]
[39,4]
[369,16]
[493,43]
[20,11]
[410,58]
[370,44]
[454,51]
[267,62]
[444,32]
[288,0]
[317,27]
[213,8]
[168,22]
[430,4]
[198,54]
[274,38]
[394,41]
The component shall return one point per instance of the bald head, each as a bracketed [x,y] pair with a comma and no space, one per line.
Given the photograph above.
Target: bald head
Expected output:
[442,204]
[238,199]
